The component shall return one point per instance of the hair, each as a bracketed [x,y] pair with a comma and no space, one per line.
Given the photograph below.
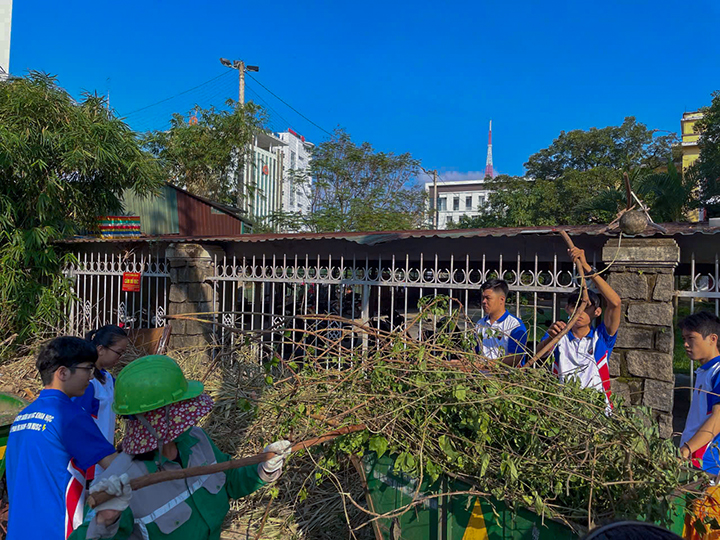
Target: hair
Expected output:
[574,299]
[631,530]
[702,322]
[497,285]
[65,351]
[105,336]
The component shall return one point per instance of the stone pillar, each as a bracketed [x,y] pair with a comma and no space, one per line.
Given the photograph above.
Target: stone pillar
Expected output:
[641,366]
[190,266]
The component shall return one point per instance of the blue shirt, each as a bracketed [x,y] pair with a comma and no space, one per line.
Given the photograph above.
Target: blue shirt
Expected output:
[705,396]
[504,337]
[51,443]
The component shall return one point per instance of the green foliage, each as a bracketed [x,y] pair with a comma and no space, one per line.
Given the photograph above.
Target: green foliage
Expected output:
[517,434]
[577,180]
[623,147]
[63,163]
[204,153]
[706,170]
[355,188]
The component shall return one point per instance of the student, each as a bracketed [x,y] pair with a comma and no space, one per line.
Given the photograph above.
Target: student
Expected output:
[502,335]
[700,439]
[584,351]
[161,408]
[51,444]
[110,341]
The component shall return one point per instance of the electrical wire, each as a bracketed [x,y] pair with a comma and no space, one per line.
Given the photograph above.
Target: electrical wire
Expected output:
[288,105]
[224,74]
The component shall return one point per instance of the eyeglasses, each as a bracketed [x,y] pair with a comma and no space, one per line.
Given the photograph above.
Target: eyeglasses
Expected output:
[89,369]
[119,353]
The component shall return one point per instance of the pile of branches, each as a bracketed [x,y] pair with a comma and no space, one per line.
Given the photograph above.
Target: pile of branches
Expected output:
[515,435]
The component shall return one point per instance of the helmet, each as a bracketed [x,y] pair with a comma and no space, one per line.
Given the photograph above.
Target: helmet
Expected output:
[152,382]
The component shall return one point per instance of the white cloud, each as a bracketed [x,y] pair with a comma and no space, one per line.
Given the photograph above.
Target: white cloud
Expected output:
[454,176]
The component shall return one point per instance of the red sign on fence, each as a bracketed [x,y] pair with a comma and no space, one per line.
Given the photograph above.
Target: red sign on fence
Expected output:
[131,282]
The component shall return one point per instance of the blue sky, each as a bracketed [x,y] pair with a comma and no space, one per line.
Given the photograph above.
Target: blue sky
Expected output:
[418,77]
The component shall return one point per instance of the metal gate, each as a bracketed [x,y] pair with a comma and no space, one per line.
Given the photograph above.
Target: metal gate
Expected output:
[280,295]
[99,299]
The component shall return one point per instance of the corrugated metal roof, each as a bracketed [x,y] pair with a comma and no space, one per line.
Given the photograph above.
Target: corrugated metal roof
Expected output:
[158,213]
[381,237]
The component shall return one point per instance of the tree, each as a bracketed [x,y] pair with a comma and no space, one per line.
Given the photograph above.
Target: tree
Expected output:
[621,147]
[706,170]
[63,163]
[578,179]
[205,153]
[355,188]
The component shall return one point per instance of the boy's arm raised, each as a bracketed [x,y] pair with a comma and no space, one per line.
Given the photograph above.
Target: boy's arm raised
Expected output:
[613,311]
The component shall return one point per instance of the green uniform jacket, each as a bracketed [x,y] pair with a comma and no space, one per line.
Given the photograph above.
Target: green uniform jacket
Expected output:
[208,510]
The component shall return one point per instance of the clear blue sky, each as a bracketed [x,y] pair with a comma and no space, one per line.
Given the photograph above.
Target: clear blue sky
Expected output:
[407,76]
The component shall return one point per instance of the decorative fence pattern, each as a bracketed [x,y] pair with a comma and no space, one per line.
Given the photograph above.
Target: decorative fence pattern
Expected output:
[97,284]
[269,292]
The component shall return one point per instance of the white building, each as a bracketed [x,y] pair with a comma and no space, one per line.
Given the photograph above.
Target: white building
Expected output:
[5,27]
[457,199]
[261,195]
[297,184]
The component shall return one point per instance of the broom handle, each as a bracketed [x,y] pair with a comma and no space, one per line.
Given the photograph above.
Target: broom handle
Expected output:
[164,476]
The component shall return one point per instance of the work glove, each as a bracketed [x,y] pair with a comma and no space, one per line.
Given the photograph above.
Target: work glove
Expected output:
[270,470]
[117,486]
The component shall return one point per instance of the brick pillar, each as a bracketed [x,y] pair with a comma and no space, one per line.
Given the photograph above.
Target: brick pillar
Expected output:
[642,273]
[190,265]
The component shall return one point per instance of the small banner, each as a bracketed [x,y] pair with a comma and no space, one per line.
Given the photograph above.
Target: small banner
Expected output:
[131,282]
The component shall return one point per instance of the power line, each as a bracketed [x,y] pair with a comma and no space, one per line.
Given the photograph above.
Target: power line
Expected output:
[288,105]
[270,108]
[224,74]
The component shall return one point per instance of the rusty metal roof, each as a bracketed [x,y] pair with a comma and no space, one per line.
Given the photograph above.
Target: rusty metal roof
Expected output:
[381,237]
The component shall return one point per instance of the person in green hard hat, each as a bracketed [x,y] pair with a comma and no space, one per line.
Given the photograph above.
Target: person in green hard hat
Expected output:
[161,407]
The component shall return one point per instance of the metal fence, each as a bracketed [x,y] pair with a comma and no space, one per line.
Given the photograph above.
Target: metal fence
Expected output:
[99,299]
[697,289]
[282,294]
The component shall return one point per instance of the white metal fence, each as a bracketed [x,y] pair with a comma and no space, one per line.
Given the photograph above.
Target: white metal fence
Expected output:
[97,284]
[275,293]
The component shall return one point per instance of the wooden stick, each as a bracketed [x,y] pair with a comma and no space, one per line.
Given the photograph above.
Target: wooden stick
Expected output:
[164,476]
[584,303]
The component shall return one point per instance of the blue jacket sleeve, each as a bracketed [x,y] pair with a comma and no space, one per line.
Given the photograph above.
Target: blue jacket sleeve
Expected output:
[84,441]
[610,340]
[518,340]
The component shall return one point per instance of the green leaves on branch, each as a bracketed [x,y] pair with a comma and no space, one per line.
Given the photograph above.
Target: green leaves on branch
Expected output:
[206,152]
[63,163]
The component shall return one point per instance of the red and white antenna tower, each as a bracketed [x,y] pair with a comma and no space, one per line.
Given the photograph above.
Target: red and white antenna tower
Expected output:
[489,164]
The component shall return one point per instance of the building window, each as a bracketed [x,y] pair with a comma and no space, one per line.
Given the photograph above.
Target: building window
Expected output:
[468,203]
[292,159]
[456,203]
[449,222]
[442,204]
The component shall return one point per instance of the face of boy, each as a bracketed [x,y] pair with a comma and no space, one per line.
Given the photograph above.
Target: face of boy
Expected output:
[76,379]
[586,317]
[493,303]
[699,348]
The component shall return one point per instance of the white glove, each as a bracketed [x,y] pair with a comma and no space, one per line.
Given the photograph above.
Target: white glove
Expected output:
[117,486]
[270,470]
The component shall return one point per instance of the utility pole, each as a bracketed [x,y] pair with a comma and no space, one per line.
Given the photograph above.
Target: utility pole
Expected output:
[242,68]
[435,196]
[435,201]
[242,187]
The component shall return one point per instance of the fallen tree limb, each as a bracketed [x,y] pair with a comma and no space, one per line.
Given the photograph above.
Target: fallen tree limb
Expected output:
[584,303]
[164,476]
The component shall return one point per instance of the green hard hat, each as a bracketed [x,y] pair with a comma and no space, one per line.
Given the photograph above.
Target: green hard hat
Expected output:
[152,382]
